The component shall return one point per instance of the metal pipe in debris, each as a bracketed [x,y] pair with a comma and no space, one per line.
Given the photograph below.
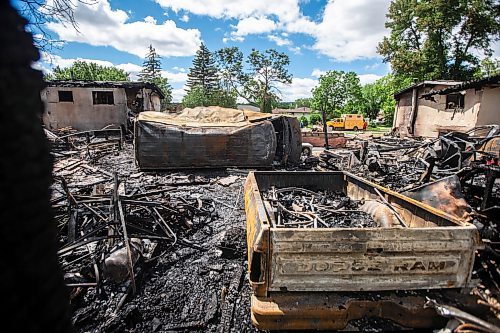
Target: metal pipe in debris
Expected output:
[390,207]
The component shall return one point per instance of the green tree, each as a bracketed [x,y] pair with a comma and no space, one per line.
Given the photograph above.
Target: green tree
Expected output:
[205,88]
[166,89]
[203,72]
[303,102]
[151,66]
[259,83]
[229,62]
[337,92]
[151,72]
[488,67]
[379,96]
[304,121]
[315,118]
[81,70]
[197,96]
[372,95]
[436,39]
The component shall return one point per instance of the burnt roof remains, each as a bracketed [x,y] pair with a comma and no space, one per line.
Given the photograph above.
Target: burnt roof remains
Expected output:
[424,84]
[474,84]
[106,84]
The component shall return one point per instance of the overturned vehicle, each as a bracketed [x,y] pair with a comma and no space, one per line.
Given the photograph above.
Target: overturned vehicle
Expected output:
[213,137]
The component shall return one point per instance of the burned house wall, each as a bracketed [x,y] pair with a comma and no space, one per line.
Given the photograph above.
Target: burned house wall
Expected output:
[489,112]
[142,99]
[434,118]
[154,102]
[403,112]
[82,114]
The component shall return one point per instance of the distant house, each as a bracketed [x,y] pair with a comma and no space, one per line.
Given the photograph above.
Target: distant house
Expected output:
[90,105]
[297,112]
[432,108]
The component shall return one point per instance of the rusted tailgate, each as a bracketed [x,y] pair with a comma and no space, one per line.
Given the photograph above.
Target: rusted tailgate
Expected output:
[435,251]
[384,259]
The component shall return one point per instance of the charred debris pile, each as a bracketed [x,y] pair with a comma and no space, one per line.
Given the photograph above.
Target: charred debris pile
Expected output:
[147,251]
[166,251]
[460,169]
[296,207]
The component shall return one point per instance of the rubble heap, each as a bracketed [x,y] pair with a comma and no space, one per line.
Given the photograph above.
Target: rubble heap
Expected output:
[301,208]
[148,251]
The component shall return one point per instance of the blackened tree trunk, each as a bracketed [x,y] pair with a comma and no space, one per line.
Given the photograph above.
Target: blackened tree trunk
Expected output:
[32,287]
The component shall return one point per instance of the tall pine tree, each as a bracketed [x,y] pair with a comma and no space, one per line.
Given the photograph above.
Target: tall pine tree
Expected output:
[151,72]
[204,72]
[151,67]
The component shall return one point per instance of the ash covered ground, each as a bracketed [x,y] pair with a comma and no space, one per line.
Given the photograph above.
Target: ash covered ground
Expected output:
[198,284]
[198,288]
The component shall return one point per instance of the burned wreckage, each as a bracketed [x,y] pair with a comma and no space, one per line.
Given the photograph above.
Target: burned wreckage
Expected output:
[214,137]
[390,234]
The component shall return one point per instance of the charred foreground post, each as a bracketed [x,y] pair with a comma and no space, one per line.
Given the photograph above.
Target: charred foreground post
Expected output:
[33,289]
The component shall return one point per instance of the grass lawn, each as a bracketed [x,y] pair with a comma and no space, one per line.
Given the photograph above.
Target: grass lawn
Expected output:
[379,129]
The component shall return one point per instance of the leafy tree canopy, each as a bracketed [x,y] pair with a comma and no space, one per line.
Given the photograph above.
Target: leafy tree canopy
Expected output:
[257,83]
[81,70]
[337,92]
[379,96]
[437,39]
[303,102]
[315,118]
[488,67]
[197,96]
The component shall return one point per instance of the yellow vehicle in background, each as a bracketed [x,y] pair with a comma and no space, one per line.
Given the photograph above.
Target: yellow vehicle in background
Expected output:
[348,122]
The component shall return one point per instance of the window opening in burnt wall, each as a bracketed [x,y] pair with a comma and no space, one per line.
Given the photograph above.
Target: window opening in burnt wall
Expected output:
[65,96]
[103,97]
[455,101]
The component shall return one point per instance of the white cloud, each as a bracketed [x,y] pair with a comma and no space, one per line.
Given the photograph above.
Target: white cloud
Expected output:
[285,10]
[317,73]
[178,94]
[128,67]
[184,18]
[150,19]
[299,88]
[233,38]
[284,42]
[368,78]
[48,61]
[496,49]
[254,25]
[351,29]
[174,77]
[279,41]
[132,69]
[348,30]
[100,25]
[295,49]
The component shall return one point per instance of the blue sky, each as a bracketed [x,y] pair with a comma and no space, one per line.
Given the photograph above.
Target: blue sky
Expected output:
[318,35]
